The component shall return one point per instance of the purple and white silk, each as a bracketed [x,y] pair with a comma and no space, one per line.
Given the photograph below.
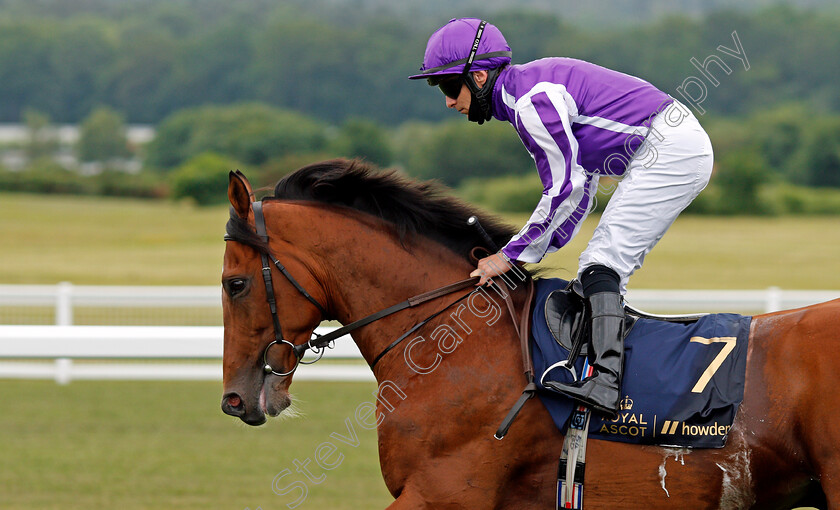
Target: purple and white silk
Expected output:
[579,121]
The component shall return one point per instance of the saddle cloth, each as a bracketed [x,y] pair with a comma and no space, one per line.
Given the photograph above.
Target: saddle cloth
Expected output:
[683,382]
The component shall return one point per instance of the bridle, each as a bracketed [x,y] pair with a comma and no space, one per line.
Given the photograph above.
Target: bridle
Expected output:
[319,343]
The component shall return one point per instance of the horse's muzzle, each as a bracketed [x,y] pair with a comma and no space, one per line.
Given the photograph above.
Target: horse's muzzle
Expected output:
[234,405]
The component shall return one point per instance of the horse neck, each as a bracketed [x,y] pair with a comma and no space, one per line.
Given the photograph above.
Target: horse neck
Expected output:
[379,273]
[365,269]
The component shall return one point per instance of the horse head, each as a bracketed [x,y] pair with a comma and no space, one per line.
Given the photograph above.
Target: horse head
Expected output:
[250,328]
[345,240]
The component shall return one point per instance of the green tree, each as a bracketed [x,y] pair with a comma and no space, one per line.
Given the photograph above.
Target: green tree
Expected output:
[41,138]
[211,69]
[102,136]
[739,176]
[84,52]
[204,178]
[25,54]
[359,138]
[251,133]
[277,168]
[510,193]
[532,35]
[137,79]
[779,133]
[459,149]
[819,156]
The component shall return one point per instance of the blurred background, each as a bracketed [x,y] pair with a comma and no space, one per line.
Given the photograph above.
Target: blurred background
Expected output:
[159,99]
[120,120]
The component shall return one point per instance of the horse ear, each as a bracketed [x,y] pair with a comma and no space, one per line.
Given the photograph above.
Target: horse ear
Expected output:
[240,193]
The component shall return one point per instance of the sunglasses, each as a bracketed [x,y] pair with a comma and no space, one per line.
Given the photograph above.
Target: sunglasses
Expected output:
[451,87]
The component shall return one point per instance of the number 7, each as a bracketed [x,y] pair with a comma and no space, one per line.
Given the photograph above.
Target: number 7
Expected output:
[729,346]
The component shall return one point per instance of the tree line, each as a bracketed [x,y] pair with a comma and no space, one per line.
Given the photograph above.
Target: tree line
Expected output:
[293,88]
[151,59]
[782,160]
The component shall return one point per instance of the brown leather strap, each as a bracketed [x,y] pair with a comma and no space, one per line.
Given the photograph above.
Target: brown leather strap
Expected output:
[527,394]
[510,306]
[443,291]
[324,340]
[522,325]
[422,298]
[524,332]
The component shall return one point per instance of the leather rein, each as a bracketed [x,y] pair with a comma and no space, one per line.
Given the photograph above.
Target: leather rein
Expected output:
[318,343]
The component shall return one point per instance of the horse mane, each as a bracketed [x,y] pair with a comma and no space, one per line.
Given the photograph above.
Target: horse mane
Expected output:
[410,206]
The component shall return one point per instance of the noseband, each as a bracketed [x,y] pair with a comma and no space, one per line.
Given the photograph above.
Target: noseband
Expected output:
[319,343]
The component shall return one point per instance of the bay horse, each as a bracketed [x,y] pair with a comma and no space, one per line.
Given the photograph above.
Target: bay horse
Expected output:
[359,240]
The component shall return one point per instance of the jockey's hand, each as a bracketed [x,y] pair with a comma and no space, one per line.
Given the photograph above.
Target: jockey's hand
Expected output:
[491,266]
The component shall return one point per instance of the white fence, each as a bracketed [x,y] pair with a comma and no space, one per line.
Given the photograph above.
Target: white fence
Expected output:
[64,298]
[54,348]
[51,352]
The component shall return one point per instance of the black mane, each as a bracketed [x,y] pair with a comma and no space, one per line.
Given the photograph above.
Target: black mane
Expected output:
[412,207]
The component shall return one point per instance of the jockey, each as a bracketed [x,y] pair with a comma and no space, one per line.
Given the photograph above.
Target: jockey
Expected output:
[579,121]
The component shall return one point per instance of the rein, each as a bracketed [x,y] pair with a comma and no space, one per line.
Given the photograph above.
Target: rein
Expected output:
[320,342]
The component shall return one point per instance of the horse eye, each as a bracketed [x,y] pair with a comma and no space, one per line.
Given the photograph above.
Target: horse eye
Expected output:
[236,286]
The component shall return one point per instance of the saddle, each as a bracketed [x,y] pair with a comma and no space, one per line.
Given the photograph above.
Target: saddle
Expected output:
[683,375]
[674,394]
[568,318]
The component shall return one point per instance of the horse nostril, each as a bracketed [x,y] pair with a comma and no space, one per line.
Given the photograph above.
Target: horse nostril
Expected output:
[232,405]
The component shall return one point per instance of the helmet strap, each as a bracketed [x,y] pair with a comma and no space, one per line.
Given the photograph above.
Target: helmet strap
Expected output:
[481,102]
[480,110]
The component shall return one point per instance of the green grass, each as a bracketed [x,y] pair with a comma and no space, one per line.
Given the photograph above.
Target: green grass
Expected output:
[153,445]
[104,241]
[134,242]
[139,445]
[727,253]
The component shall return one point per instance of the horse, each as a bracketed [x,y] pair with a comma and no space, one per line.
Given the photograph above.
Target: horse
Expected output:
[353,240]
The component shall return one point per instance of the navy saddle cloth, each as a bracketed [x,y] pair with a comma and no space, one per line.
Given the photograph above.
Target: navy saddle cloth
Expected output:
[682,383]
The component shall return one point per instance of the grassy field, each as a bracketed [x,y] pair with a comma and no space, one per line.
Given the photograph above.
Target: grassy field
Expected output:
[102,241]
[729,253]
[132,242]
[139,445]
[155,445]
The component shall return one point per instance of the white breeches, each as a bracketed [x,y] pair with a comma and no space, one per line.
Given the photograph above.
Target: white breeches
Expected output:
[667,172]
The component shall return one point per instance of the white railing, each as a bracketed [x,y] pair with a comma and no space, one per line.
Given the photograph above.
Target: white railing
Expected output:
[771,299]
[64,297]
[51,352]
[54,348]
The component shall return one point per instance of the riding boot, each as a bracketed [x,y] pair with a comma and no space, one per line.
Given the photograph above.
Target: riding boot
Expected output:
[601,391]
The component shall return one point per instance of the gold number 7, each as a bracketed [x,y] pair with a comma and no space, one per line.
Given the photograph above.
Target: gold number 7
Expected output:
[729,345]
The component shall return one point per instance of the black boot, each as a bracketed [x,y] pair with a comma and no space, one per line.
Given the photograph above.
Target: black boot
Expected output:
[602,391]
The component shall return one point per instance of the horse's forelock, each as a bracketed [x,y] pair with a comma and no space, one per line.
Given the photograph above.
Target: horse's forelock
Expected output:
[238,229]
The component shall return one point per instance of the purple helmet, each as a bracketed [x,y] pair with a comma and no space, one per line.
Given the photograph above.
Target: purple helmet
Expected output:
[449,48]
